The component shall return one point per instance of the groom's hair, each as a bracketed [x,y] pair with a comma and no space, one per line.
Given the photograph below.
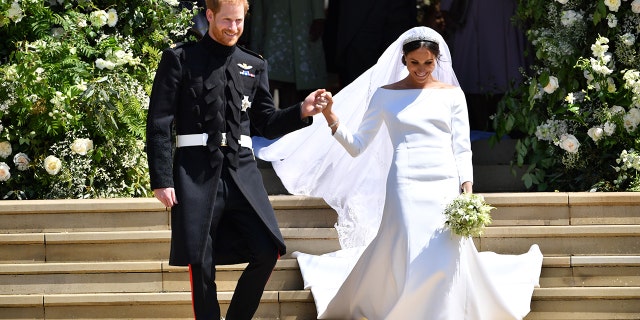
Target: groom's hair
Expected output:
[214,5]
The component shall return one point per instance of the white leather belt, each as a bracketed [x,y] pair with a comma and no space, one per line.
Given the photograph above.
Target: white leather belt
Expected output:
[200,139]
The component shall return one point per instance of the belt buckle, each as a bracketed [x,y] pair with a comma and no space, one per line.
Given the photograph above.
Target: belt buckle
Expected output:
[205,138]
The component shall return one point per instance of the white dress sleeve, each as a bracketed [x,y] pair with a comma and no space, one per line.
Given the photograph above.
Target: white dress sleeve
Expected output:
[460,140]
[357,143]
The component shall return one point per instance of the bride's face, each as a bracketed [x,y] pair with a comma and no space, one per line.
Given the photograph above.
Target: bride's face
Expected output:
[420,63]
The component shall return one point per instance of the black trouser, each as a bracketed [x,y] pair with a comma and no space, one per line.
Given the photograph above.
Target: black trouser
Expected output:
[262,257]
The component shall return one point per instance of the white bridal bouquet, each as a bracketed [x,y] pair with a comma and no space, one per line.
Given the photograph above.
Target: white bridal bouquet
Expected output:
[468,214]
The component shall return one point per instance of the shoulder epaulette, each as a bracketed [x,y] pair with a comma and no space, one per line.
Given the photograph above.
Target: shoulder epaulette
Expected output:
[251,52]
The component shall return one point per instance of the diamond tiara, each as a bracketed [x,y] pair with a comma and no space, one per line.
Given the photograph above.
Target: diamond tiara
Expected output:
[419,37]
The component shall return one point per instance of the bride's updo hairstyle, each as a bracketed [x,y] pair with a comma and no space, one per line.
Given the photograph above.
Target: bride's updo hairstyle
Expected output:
[420,43]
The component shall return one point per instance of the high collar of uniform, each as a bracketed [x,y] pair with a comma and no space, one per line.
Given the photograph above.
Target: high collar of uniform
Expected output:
[215,47]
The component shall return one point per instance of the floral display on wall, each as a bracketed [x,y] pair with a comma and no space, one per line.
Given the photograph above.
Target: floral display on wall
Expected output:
[75,78]
[576,117]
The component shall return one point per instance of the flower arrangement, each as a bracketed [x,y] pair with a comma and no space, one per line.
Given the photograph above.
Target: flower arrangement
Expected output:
[75,76]
[468,214]
[576,116]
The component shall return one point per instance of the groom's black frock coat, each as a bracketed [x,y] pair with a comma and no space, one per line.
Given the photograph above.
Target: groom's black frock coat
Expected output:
[200,88]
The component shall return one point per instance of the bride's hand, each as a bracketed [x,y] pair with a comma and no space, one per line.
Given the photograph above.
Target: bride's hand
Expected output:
[324,101]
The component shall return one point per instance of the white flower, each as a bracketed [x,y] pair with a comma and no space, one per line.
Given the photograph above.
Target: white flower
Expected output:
[81,146]
[569,17]
[600,47]
[569,143]
[4,172]
[635,6]
[82,86]
[104,64]
[628,39]
[612,21]
[52,165]
[570,98]
[616,110]
[552,85]
[609,128]
[613,5]
[5,149]
[15,12]
[98,18]
[631,119]
[176,2]
[21,161]
[563,1]
[112,17]
[595,133]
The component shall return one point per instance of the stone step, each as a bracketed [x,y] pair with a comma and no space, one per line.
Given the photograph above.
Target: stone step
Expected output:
[547,303]
[147,214]
[158,276]
[154,244]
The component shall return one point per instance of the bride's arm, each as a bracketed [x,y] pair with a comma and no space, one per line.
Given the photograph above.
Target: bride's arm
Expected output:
[461,141]
[356,143]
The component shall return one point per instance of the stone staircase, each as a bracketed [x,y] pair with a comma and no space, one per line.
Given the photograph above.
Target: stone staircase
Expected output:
[106,258]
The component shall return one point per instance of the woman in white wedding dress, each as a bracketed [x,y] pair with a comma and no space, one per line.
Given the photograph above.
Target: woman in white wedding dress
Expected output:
[413,268]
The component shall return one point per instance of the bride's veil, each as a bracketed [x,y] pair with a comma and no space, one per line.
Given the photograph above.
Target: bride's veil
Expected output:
[311,162]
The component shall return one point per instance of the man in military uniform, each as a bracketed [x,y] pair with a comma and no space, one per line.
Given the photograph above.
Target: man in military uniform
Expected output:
[214,95]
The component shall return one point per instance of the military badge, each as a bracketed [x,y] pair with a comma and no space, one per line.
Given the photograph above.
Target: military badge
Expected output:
[245,70]
[246,104]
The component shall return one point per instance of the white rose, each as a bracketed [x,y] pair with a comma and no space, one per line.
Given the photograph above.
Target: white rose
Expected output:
[21,161]
[613,5]
[52,165]
[81,146]
[569,143]
[595,133]
[552,85]
[98,18]
[635,6]
[112,17]
[563,1]
[4,172]
[5,149]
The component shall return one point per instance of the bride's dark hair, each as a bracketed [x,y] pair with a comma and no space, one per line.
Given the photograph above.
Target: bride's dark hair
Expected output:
[415,45]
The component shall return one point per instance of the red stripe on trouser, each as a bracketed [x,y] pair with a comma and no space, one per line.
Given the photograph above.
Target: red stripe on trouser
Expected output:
[193,305]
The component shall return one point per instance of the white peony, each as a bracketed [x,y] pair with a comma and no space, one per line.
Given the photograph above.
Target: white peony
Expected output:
[635,6]
[52,165]
[613,5]
[569,143]
[4,172]
[21,161]
[5,149]
[595,133]
[112,17]
[81,146]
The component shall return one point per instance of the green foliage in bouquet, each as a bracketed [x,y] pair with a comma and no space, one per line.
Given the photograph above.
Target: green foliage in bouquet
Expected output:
[468,214]
[576,115]
[75,80]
